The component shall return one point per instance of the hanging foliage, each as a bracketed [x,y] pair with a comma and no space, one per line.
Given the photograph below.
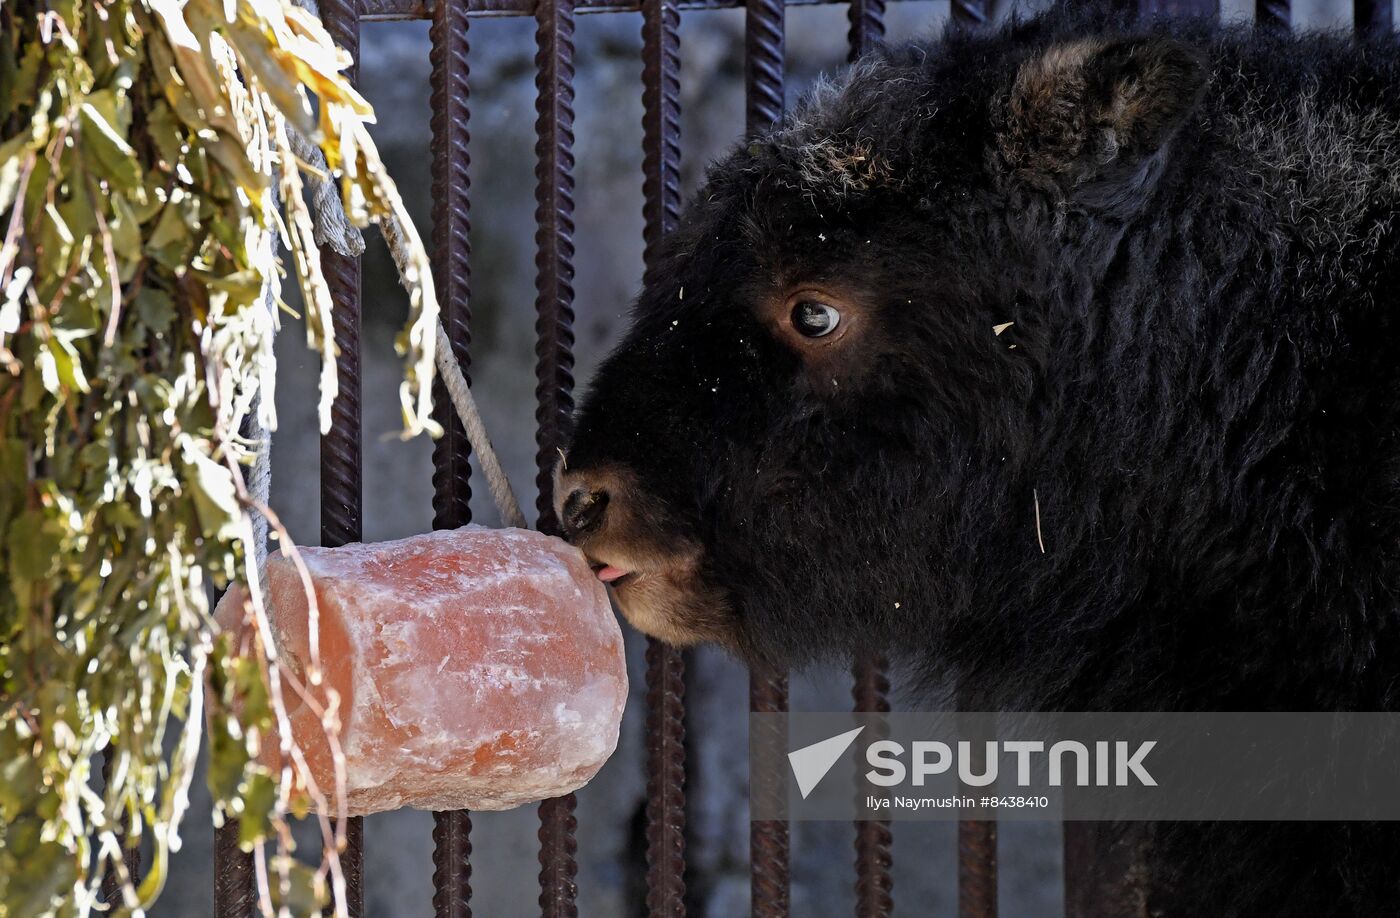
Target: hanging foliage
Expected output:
[144,148]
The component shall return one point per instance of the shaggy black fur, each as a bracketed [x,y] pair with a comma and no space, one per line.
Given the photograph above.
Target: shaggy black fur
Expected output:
[1193,232]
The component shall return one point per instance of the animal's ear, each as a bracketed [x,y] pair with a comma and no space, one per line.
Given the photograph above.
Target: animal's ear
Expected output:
[1088,108]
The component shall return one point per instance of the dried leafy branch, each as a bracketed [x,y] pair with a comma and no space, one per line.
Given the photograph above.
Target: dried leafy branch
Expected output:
[146,168]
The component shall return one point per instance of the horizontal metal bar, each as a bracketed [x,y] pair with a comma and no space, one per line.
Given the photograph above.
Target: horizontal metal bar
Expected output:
[388,10]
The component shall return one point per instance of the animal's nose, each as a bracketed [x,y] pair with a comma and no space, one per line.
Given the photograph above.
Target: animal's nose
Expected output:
[583,511]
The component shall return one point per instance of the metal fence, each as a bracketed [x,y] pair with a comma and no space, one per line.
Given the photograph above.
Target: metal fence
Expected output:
[1096,883]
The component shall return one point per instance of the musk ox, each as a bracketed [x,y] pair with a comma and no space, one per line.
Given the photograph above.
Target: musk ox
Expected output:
[1060,361]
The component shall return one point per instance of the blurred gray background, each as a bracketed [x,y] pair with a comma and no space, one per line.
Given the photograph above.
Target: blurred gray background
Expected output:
[397,474]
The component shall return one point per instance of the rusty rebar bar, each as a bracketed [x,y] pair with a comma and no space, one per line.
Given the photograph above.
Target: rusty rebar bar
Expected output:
[763,65]
[769,841]
[558,869]
[451,261]
[874,838]
[342,506]
[235,883]
[352,864]
[867,19]
[341,447]
[977,868]
[131,855]
[1273,15]
[1106,869]
[665,814]
[554,245]
[665,676]
[451,255]
[661,117]
[977,838]
[389,10]
[1373,18]
[452,865]
[554,340]
[235,892]
[341,502]
[969,13]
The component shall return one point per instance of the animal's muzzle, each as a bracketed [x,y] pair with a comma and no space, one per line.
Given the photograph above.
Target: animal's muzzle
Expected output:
[592,503]
[583,508]
[650,562]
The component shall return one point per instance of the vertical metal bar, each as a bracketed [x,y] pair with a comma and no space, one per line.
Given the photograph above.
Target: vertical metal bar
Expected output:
[452,844]
[977,868]
[554,241]
[341,508]
[769,841]
[1273,15]
[665,829]
[1079,866]
[665,699]
[874,881]
[763,64]
[1082,866]
[969,13]
[1374,17]
[451,257]
[234,893]
[977,838]
[341,448]
[867,18]
[558,889]
[554,340]
[452,866]
[131,855]
[1082,869]
[352,863]
[1156,9]
[1105,866]
[768,689]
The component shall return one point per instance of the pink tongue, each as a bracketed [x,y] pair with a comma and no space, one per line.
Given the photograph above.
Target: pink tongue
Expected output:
[608,573]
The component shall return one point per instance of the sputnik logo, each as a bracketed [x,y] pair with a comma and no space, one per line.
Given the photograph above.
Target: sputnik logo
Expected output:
[811,763]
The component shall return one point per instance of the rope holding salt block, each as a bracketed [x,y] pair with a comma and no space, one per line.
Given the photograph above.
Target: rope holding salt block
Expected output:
[329,224]
[333,228]
[460,392]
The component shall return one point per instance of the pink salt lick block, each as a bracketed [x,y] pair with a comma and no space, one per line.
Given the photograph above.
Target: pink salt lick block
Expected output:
[476,668]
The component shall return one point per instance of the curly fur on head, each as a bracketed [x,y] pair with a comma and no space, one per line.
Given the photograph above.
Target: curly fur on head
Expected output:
[1173,482]
[829,146]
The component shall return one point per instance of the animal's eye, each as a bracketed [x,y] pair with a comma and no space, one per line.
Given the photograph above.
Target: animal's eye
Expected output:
[814,319]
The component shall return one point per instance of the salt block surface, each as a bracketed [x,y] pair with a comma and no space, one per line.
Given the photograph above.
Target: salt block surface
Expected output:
[477,668]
